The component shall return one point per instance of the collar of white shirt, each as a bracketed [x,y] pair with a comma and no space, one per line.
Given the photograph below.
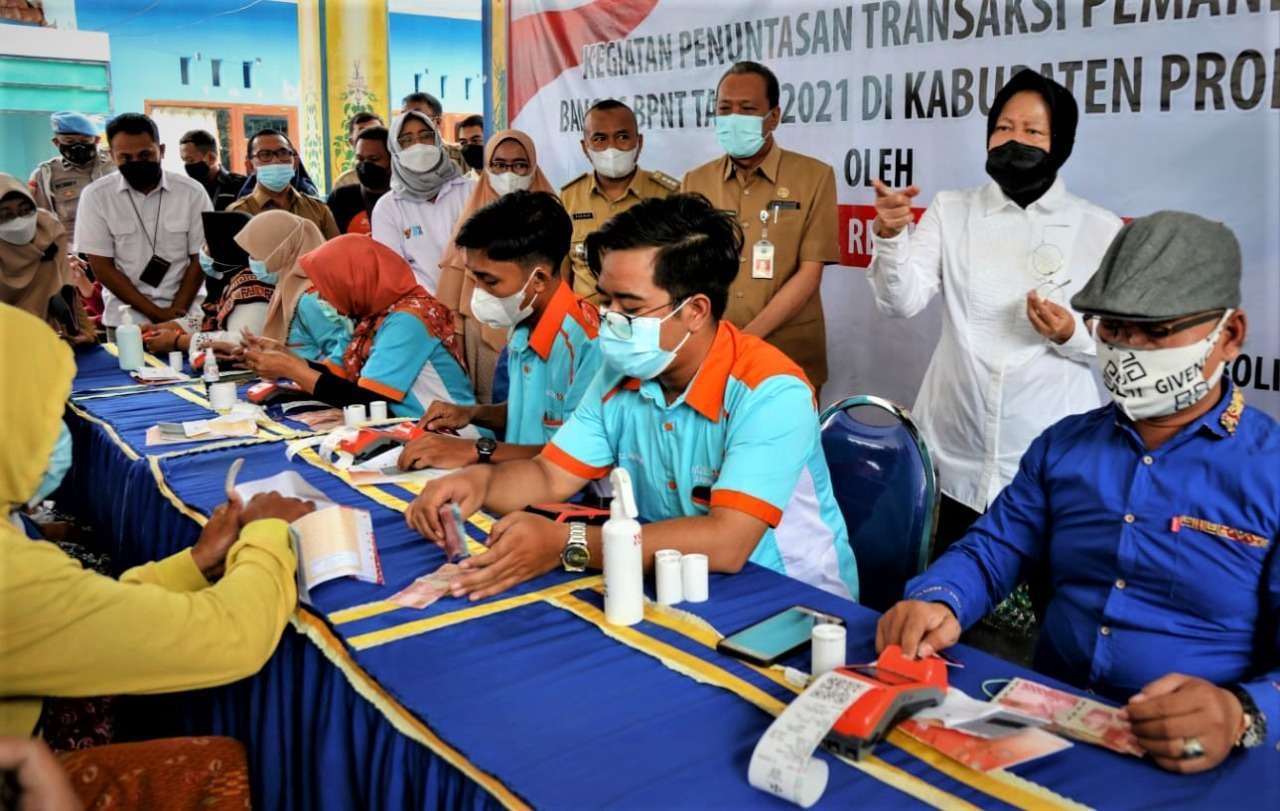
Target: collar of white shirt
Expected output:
[994,200]
[123,185]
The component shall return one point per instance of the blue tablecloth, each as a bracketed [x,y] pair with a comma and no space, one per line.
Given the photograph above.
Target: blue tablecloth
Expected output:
[536,701]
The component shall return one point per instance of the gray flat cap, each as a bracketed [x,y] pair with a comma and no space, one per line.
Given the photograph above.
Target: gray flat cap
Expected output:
[1164,265]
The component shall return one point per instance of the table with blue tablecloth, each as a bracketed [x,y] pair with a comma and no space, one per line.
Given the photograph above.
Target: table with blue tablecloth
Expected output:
[530,698]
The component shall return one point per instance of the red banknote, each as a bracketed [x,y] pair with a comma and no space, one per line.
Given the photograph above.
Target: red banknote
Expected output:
[1080,718]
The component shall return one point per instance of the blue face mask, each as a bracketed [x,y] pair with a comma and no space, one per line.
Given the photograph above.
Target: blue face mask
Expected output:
[59,464]
[259,269]
[209,267]
[275,176]
[641,356]
[740,135]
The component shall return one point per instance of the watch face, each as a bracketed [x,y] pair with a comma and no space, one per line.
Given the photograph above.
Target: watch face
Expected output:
[576,557]
[486,445]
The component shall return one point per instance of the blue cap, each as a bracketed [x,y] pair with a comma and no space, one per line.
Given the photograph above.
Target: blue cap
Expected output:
[69,123]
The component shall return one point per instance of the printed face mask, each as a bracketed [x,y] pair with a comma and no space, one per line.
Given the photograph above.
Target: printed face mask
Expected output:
[1147,383]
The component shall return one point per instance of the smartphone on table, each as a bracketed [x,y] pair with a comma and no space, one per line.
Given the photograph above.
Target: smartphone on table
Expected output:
[776,637]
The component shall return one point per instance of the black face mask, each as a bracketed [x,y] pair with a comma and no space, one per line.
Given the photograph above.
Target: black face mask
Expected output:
[372,176]
[1023,172]
[473,154]
[79,154]
[142,175]
[198,171]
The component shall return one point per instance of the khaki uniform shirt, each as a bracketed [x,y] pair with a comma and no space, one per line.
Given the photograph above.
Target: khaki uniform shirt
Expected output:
[589,209]
[303,205]
[57,183]
[799,193]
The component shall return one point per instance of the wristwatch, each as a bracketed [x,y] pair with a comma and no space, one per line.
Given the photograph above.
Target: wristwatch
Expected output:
[484,450]
[1255,723]
[575,556]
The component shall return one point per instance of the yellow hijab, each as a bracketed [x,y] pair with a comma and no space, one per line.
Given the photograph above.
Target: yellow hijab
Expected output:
[34,386]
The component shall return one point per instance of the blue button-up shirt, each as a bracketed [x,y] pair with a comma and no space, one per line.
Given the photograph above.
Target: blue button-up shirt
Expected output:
[1160,561]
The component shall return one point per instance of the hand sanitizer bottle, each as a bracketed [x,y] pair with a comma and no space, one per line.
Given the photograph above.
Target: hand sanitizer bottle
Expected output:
[623,558]
[128,342]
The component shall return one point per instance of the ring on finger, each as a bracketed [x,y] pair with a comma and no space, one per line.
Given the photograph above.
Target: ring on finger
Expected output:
[1192,748]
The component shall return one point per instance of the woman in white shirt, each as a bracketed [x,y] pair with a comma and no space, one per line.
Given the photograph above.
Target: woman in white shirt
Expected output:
[416,218]
[1013,358]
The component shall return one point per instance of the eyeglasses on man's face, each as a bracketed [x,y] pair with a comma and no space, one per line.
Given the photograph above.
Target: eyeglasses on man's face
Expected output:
[282,155]
[1119,332]
[621,324]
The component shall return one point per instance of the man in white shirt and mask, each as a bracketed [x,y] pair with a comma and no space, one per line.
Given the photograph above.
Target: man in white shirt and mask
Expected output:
[1013,358]
[428,194]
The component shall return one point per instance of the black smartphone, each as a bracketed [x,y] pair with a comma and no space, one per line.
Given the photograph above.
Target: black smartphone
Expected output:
[778,636]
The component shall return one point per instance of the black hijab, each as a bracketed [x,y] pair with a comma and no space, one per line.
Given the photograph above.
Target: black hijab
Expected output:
[1064,115]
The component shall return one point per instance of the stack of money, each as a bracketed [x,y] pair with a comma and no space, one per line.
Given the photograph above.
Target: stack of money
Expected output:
[1070,715]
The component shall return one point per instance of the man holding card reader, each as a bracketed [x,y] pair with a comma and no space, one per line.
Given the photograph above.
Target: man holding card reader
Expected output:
[141,229]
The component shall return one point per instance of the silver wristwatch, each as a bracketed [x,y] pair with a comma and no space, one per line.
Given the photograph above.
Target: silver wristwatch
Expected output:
[576,555]
[1255,730]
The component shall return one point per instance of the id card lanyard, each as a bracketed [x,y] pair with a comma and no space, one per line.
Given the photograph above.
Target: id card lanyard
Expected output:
[762,251]
[155,231]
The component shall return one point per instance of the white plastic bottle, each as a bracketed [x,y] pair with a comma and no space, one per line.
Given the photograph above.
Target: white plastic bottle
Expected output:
[211,373]
[623,558]
[128,342]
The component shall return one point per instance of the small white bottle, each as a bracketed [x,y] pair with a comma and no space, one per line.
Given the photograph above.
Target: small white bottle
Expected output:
[211,373]
[128,342]
[623,558]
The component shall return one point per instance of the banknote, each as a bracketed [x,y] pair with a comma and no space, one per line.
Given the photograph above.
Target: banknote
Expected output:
[427,589]
[1074,716]
[984,754]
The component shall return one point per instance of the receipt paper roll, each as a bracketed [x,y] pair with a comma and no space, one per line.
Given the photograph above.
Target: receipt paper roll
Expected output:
[782,763]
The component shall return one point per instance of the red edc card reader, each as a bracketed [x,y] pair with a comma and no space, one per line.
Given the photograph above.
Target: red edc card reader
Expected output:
[898,688]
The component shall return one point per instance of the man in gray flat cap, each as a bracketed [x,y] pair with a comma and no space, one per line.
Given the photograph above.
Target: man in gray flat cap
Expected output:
[1157,516]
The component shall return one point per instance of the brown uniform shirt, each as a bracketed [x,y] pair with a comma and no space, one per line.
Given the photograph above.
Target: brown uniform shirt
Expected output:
[303,205]
[56,185]
[589,209]
[799,192]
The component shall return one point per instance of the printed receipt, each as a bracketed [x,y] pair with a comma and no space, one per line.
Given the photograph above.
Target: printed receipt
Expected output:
[782,762]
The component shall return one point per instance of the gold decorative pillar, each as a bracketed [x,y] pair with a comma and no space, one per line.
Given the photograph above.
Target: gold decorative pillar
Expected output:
[342,45]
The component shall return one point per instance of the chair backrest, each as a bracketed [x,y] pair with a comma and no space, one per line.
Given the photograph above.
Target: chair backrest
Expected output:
[886,486]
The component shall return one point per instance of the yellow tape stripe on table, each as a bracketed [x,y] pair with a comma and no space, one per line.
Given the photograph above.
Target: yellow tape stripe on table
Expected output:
[999,783]
[397,632]
[704,672]
[401,718]
[108,429]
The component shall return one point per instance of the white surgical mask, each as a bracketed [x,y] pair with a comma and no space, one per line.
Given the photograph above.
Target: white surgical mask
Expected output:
[1148,383]
[19,231]
[508,182]
[613,163]
[500,313]
[641,356]
[421,157]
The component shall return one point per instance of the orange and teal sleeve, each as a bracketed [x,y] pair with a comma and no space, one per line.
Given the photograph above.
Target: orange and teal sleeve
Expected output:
[402,346]
[582,446]
[770,439]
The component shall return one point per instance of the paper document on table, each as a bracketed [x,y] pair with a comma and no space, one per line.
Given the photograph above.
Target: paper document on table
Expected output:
[782,763]
[984,754]
[229,427]
[1076,717]
[286,483]
[158,374]
[383,469]
[986,719]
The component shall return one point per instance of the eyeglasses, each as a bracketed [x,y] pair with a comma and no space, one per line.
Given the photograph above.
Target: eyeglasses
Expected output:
[408,139]
[502,167]
[282,155]
[1120,332]
[620,324]
[25,210]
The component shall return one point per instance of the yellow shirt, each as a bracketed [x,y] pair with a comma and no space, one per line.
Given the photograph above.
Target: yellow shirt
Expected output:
[799,193]
[589,209]
[302,205]
[160,628]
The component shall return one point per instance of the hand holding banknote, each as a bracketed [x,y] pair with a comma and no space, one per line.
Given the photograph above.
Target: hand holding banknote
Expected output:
[1174,710]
